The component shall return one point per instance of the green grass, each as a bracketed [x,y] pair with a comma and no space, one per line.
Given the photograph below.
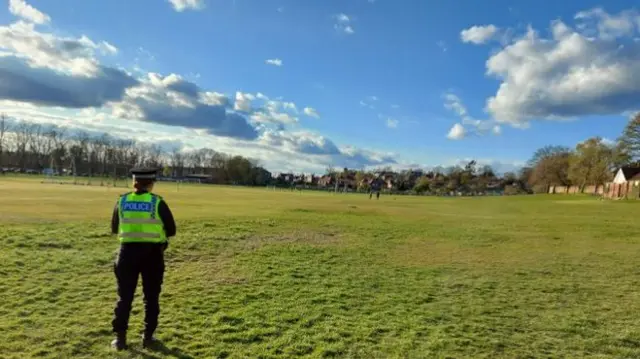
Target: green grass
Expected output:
[278,274]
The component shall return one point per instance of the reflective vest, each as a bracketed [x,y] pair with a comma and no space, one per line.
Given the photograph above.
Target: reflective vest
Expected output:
[139,219]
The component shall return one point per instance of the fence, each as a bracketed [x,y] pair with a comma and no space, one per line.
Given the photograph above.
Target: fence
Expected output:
[629,190]
[592,189]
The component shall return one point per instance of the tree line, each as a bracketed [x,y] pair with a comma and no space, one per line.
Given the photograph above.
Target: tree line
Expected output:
[592,162]
[33,148]
[470,179]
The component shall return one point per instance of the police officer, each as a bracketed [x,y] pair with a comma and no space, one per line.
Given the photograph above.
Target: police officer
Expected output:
[143,222]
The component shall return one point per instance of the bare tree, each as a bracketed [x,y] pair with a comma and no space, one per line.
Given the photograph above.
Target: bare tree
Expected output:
[206,156]
[4,129]
[23,134]
[143,154]
[104,151]
[125,155]
[38,145]
[129,153]
[82,155]
[59,141]
[330,171]
[155,156]
[177,162]
[193,160]
[219,167]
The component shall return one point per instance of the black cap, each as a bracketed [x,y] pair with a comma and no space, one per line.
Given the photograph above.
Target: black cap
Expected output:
[144,173]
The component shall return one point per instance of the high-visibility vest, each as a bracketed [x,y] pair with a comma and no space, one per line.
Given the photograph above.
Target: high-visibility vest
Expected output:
[139,219]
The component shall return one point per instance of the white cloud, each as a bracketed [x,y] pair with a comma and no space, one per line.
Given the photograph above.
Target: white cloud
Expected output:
[67,55]
[594,70]
[276,112]
[478,34]
[44,69]
[291,106]
[182,5]
[456,132]
[272,116]
[480,127]
[343,24]
[274,62]
[269,111]
[74,56]
[392,123]
[453,102]
[369,101]
[277,103]
[311,112]
[609,26]
[343,18]
[146,54]
[213,98]
[21,9]
[300,141]
[243,101]
[173,101]
[108,48]
[321,151]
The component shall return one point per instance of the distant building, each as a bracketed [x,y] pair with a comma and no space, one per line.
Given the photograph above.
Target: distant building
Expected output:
[311,180]
[325,181]
[199,178]
[627,174]
[285,177]
[625,184]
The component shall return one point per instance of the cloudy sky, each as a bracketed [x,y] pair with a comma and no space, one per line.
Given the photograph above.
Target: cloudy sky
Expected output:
[302,85]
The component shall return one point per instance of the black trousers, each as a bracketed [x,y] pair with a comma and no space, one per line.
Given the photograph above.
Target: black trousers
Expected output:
[135,259]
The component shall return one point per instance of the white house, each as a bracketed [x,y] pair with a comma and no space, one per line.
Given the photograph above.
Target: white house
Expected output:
[627,174]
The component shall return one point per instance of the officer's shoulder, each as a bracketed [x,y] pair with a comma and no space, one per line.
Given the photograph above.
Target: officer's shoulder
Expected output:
[158,196]
[125,194]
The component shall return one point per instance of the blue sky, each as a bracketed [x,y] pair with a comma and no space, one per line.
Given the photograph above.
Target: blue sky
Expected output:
[302,85]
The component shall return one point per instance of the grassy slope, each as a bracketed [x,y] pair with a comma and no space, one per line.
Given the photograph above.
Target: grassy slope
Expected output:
[266,274]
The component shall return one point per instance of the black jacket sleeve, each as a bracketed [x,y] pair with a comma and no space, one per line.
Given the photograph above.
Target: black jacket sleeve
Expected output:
[115,220]
[167,219]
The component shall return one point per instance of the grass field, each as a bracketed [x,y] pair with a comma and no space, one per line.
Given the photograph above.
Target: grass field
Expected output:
[270,274]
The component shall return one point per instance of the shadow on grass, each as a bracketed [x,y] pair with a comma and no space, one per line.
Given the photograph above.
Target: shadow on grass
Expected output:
[160,348]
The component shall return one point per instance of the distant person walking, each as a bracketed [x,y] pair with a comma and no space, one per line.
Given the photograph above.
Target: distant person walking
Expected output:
[143,222]
[375,188]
